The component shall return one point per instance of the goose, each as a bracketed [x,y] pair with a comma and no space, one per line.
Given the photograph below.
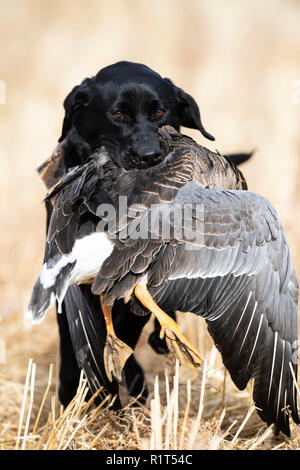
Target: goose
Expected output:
[81,325]
[230,263]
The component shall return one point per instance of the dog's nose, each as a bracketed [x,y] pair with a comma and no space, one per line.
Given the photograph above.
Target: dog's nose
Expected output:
[149,153]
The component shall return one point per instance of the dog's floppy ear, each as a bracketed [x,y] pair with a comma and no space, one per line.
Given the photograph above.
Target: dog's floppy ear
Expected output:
[76,98]
[188,110]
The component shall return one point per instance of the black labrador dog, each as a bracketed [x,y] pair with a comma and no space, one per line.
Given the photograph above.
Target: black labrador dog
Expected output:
[121,108]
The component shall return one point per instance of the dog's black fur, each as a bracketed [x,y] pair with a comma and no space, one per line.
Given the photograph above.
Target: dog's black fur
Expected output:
[122,107]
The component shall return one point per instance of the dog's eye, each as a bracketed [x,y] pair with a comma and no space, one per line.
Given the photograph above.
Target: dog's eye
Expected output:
[159,113]
[118,114]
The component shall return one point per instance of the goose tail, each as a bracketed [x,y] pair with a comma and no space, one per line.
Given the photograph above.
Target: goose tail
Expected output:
[45,293]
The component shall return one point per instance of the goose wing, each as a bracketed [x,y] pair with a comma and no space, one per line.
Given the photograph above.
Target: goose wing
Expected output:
[236,272]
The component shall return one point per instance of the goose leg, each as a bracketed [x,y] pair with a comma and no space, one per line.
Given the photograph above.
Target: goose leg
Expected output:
[116,352]
[178,345]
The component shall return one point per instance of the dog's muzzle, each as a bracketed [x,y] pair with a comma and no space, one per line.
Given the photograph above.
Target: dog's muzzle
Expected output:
[148,152]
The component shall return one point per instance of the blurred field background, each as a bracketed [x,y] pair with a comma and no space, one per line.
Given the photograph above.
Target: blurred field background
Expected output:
[240,61]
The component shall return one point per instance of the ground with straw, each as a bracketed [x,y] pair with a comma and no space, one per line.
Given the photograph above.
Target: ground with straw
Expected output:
[186,410]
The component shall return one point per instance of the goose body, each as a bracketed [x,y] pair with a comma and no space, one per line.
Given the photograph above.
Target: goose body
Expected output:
[235,270]
[75,250]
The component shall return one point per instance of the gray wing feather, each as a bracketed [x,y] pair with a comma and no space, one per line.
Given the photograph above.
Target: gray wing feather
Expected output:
[238,275]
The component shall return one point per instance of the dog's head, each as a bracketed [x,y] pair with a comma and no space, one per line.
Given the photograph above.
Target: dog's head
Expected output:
[122,108]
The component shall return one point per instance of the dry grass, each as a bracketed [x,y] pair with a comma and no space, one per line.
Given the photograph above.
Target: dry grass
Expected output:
[168,424]
[239,60]
[186,410]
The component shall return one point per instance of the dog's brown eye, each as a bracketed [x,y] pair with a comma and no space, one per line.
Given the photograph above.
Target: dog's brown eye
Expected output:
[159,113]
[118,115]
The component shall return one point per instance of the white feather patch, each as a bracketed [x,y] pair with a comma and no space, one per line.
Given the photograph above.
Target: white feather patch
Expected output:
[89,253]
